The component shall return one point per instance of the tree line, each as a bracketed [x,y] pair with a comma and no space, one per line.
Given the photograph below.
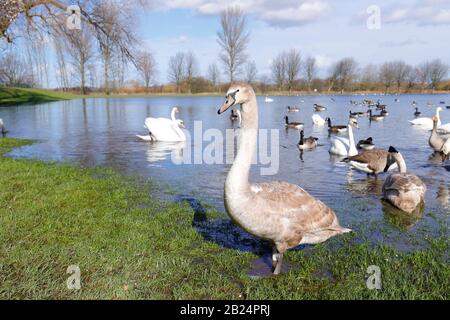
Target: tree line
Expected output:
[100,56]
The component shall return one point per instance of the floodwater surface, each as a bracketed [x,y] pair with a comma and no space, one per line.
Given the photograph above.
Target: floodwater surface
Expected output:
[93,132]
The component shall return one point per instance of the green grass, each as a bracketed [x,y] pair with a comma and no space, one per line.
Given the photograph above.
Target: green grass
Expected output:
[130,245]
[16,96]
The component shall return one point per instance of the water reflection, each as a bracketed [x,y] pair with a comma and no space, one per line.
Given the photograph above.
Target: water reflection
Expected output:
[443,195]
[401,219]
[363,187]
[159,151]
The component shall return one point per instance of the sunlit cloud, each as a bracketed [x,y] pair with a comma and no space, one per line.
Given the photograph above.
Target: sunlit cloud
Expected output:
[282,13]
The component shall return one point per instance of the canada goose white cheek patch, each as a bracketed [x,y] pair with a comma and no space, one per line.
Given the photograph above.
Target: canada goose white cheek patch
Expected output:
[256,189]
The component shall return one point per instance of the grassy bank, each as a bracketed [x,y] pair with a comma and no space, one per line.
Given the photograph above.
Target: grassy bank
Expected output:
[16,96]
[130,245]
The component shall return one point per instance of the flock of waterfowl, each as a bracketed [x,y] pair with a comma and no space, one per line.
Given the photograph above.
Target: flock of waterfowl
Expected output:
[284,213]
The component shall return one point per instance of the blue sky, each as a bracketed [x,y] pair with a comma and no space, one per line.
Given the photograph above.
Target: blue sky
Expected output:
[414,30]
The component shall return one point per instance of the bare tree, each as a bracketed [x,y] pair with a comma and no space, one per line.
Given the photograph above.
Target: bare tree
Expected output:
[250,72]
[61,71]
[233,38]
[400,73]
[13,70]
[115,33]
[42,15]
[146,66]
[293,66]
[176,70]
[387,74]
[423,73]
[264,80]
[214,74]
[279,70]
[437,71]
[80,48]
[411,77]
[369,74]
[190,69]
[343,73]
[309,71]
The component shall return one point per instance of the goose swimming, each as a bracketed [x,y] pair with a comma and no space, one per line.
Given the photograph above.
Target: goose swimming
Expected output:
[307,143]
[277,211]
[294,125]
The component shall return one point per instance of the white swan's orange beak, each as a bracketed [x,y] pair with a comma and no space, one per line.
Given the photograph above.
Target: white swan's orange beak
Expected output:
[227,104]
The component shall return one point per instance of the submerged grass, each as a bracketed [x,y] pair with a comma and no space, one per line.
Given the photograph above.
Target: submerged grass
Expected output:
[129,245]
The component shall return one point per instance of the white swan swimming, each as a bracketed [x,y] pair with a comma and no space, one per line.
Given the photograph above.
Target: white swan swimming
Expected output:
[342,146]
[318,120]
[268,99]
[427,122]
[162,129]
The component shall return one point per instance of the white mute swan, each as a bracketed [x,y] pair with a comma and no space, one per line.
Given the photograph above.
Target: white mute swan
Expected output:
[277,211]
[268,99]
[403,190]
[342,146]
[428,122]
[162,129]
[318,120]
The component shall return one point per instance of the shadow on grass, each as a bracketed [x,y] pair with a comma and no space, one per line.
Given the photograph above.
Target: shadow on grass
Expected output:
[223,231]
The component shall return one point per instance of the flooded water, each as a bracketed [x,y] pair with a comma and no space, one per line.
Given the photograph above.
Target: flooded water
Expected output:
[102,132]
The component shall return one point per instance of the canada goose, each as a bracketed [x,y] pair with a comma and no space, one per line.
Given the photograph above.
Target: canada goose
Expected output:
[427,122]
[417,113]
[277,211]
[414,103]
[361,113]
[319,108]
[353,114]
[295,125]
[162,129]
[318,120]
[380,106]
[233,116]
[335,129]
[307,143]
[372,162]
[384,112]
[292,109]
[375,117]
[366,144]
[403,190]
[345,147]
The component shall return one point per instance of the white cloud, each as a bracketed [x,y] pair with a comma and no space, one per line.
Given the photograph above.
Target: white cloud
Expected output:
[283,13]
[422,13]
